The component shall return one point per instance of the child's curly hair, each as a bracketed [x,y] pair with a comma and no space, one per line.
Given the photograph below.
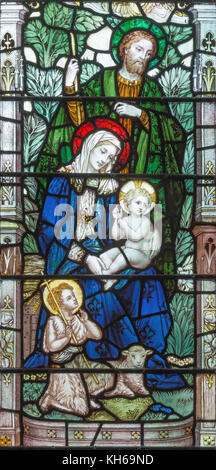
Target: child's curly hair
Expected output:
[134,193]
[57,291]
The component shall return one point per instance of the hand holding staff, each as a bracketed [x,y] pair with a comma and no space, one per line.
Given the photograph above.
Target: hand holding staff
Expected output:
[76,85]
[73,48]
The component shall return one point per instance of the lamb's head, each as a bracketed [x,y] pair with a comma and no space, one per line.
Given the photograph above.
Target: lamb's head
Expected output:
[135,356]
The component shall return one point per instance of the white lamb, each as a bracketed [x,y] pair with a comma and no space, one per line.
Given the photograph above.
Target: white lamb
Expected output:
[130,384]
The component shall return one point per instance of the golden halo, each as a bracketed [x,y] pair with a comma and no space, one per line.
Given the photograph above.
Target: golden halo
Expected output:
[56,283]
[135,184]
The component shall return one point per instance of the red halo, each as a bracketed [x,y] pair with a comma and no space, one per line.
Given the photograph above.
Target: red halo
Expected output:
[103,123]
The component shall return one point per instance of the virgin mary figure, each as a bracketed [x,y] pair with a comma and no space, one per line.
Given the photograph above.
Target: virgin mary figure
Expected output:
[135,310]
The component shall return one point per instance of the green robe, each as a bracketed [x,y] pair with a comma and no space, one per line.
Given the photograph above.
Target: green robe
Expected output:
[161,150]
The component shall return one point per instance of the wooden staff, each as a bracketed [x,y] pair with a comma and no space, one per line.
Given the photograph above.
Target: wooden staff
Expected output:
[46,283]
[76,85]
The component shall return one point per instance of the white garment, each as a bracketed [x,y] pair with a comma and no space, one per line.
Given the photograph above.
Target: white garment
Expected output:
[65,391]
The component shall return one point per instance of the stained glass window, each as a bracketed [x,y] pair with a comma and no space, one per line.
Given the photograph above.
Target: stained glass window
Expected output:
[108,239]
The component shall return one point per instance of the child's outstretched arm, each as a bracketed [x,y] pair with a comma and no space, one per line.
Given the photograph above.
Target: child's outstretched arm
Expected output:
[117,232]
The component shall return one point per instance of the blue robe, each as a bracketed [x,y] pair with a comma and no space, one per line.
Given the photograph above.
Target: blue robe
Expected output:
[135,311]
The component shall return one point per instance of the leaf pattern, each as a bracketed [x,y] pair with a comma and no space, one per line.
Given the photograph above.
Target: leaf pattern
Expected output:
[188,166]
[184,113]
[50,43]
[31,185]
[44,83]
[171,58]
[178,34]
[187,267]
[34,135]
[113,22]
[32,391]
[176,82]
[187,214]
[30,245]
[58,15]
[81,42]
[88,70]
[31,214]
[181,339]
[184,245]
[85,21]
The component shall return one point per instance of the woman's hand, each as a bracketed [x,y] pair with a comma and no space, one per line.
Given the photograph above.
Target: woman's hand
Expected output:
[117,212]
[71,72]
[125,109]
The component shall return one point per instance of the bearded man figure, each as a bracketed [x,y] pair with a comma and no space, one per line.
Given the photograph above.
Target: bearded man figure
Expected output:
[157,140]
[135,50]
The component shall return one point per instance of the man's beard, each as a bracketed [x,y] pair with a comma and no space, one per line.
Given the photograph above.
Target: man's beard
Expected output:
[134,66]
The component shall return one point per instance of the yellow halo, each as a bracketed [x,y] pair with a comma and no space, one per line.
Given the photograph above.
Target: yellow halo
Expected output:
[56,283]
[137,184]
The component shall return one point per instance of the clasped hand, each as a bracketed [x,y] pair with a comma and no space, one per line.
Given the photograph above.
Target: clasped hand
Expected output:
[117,212]
[73,328]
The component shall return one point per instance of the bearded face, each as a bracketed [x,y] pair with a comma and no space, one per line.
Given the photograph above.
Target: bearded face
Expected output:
[138,55]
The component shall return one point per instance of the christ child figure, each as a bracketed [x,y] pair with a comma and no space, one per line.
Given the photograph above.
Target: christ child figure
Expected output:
[131,222]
